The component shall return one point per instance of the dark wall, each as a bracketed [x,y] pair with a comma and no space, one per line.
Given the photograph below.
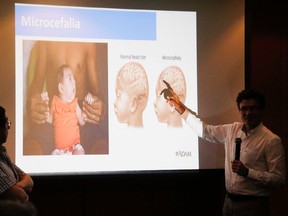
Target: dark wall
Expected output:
[195,193]
[267,70]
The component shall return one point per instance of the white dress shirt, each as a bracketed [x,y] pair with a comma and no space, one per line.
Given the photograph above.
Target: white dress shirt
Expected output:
[261,152]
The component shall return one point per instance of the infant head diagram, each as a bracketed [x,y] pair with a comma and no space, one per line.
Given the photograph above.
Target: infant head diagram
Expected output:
[132,94]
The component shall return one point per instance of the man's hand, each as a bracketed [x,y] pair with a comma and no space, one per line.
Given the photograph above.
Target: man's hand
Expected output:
[239,168]
[37,109]
[172,98]
[93,107]
[26,183]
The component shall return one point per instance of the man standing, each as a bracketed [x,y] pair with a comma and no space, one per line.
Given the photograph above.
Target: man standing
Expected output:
[14,183]
[261,165]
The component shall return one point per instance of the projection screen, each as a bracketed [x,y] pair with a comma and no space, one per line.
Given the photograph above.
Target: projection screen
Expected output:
[118,57]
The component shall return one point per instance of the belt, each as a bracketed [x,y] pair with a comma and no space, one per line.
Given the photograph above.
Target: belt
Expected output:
[237,197]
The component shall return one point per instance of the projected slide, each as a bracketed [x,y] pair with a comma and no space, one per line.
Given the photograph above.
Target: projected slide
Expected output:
[88,84]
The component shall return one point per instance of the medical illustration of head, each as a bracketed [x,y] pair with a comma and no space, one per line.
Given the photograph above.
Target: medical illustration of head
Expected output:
[131,94]
[166,113]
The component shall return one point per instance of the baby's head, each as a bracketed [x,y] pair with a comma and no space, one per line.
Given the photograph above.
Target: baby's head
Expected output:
[131,91]
[66,83]
[175,77]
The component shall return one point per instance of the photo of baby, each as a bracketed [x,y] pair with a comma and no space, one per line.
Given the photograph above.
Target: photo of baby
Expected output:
[89,70]
[66,115]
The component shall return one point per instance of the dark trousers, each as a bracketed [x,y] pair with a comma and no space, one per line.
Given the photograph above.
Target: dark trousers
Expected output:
[246,206]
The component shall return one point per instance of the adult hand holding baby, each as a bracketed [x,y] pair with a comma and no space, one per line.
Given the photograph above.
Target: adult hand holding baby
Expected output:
[93,107]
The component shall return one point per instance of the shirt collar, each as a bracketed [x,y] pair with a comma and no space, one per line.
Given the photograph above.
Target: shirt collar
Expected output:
[253,130]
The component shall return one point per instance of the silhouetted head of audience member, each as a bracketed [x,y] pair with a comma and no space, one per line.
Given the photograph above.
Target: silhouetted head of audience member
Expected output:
[16,208]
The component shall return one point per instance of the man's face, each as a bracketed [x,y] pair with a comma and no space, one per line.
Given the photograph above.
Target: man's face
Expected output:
[4,131]
[250,112]
[69,87]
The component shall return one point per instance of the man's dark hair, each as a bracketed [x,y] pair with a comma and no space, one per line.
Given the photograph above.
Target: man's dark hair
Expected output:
[251,94]
[2,117]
